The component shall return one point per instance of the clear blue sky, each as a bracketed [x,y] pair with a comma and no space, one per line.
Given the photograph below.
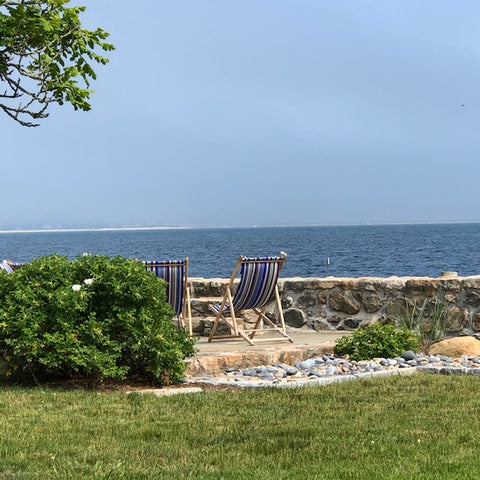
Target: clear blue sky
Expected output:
[221,113]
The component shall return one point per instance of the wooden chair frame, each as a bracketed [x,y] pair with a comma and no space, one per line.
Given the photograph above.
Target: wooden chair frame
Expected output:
[227,305]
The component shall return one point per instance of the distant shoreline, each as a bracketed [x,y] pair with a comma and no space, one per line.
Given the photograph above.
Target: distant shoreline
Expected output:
[182,227]
[102,229]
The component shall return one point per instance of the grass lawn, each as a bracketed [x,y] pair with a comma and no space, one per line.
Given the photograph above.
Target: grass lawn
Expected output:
[415,427]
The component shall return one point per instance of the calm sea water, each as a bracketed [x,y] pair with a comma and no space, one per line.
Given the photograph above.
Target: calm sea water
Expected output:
[352,251]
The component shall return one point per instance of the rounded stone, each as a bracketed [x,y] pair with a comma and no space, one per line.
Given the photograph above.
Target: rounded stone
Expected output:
[322,298]
[456,346]
[408,355]
[306,364]
[287,301]
[351,323]
[307,300]
[371,303]
[294,317]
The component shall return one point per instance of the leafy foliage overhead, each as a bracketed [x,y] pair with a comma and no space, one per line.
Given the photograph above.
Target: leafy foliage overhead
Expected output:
[45,56]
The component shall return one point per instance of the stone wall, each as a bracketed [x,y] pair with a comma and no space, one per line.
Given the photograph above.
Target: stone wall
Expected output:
[347,303]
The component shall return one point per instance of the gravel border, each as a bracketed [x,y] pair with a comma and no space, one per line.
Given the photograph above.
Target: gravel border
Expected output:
[330,369]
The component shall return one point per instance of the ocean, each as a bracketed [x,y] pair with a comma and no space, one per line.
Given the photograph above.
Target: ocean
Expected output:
[340,251]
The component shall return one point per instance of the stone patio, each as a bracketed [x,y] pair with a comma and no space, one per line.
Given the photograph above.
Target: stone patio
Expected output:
[216,356]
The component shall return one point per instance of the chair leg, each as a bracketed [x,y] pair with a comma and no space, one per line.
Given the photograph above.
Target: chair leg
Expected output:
[231,325]
[278,304]
[232,313]
[273,327]
[181,320]
[261,314]
[189,311]
[280,315]
[214,327]
[241,333]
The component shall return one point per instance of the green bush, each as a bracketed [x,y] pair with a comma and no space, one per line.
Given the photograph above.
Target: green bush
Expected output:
[93,316]
[377,341]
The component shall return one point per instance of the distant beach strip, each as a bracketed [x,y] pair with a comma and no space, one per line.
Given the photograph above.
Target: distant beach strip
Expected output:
[101,229]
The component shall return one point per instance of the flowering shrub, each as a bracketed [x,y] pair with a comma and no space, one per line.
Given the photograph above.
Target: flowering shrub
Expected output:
[93,316]
[377,341]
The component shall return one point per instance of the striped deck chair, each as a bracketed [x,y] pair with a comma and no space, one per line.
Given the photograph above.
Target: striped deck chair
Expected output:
[175,274]
[5,265]
[257,287]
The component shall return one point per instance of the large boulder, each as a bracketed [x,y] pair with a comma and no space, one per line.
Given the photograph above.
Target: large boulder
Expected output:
[456,347]
[371,303]
[457,319]
[308,299]
[294,317]
[340,303]
[425,287]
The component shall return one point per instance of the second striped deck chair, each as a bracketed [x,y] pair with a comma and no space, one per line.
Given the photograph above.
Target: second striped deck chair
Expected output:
[5,265]
[175,274]
[257,287]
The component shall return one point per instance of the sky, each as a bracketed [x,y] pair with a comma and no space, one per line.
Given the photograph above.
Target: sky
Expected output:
[216,113]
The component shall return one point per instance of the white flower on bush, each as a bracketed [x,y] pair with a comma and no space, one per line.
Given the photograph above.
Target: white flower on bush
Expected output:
[88,281]
[76,288]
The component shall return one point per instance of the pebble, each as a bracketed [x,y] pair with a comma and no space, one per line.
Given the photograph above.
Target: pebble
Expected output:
[328,369]
[408,355]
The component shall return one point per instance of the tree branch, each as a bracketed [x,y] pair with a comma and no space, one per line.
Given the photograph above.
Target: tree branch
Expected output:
[41,60]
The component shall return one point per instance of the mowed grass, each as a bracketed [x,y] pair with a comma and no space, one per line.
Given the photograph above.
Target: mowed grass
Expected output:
[421,427]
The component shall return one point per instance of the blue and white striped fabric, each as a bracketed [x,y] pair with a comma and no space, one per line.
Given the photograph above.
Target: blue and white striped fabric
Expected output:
[258,280]
[173,272]
[5,266]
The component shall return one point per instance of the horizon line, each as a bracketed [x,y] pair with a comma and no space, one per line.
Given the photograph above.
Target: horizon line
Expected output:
[187,227]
